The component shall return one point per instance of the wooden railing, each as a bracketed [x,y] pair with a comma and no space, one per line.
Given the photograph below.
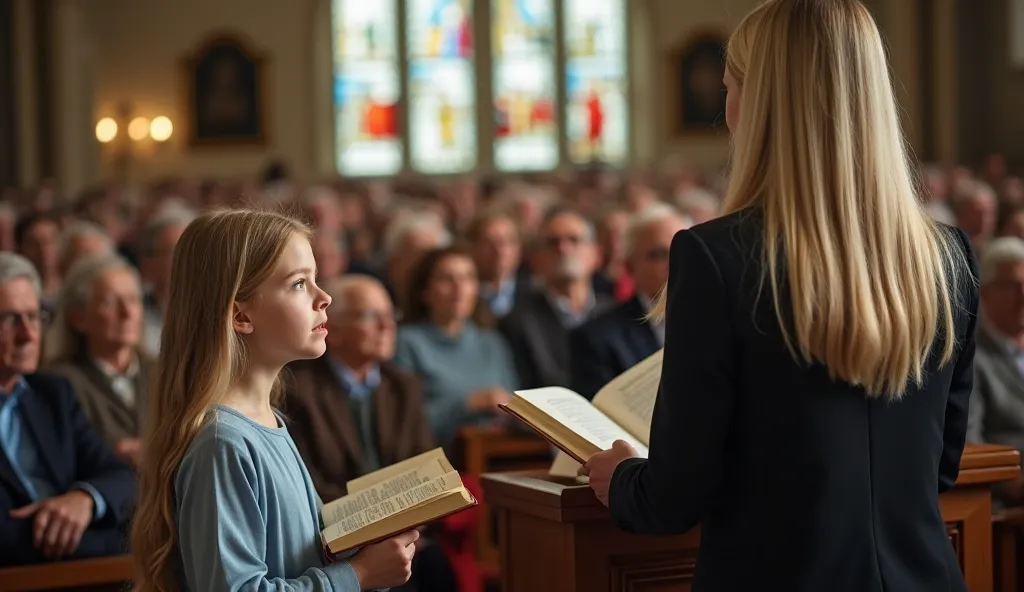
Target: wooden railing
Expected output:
[67,575]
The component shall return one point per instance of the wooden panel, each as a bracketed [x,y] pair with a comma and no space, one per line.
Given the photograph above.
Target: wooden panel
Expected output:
[666,572]
[968,512]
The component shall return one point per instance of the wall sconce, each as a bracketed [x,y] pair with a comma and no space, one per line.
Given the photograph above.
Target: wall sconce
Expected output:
[125,147]
[106,130]
[159,129]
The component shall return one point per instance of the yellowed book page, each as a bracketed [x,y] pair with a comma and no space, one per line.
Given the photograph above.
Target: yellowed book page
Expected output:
[424,513]
[399,468]
[566,467]
[388,488]
[629,398]
[411,498]
[578,415]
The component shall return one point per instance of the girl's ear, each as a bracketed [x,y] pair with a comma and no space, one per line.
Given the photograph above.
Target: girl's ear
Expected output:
[240,319]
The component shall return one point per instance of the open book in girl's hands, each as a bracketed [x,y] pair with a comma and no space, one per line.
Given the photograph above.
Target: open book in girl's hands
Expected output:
[621,410]
[393,500]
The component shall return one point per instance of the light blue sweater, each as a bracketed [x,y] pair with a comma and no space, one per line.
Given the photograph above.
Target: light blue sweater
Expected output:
[453,367]
[248,516]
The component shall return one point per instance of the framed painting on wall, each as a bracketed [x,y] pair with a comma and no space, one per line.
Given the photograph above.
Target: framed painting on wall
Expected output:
[697,93]
[225,82]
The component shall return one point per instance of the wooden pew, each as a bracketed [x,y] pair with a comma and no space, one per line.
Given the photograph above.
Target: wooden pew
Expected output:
[67,575]
[485,449]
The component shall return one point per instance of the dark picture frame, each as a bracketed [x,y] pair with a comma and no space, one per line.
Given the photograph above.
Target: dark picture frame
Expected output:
[697,93]
[225,93]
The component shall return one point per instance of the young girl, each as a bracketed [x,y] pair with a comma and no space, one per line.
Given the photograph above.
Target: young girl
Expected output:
[225,502]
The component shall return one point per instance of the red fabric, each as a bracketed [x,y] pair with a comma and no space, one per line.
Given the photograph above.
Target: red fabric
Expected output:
[595,117]
[625,287]
[457,538]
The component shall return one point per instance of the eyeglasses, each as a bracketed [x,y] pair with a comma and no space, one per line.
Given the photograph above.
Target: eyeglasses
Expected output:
[555,241]
[375,316]
[36,319]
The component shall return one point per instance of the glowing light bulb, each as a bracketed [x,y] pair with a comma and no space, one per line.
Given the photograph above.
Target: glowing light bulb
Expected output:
[106,130]
[138,129]
[160,129]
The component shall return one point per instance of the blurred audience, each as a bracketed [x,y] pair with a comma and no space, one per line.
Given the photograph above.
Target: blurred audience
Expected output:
[467,370]
[95,343]
[63,492]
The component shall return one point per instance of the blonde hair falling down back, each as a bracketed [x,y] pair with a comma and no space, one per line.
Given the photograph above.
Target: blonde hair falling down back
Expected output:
[819,150]
[222,258]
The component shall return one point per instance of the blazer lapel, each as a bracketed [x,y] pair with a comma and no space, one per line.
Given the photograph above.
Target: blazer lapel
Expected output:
[11,480]
[386,419]
[41,424]
[335,403]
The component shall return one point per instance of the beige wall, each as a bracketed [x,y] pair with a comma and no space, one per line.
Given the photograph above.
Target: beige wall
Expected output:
[991,118]
[131,50]
[674,22]
[139,45]
[139,48]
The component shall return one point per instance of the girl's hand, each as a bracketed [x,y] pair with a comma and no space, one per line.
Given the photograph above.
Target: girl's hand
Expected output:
[387,564]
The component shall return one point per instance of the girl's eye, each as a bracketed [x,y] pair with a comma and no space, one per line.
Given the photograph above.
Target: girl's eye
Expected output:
[299,285]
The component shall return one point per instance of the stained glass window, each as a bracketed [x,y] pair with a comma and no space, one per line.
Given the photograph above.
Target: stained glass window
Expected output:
[523,42]
[442,97]
[596,83]
[366,87]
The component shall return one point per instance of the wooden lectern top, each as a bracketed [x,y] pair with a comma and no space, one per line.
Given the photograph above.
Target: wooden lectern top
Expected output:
[563,500]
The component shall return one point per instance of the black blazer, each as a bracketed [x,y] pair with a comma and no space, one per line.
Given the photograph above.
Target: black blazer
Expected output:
[72,451]
[799,483]
[608,345]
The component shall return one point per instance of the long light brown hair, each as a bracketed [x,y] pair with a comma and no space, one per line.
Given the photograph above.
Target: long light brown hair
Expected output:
[222,258]
[871,277]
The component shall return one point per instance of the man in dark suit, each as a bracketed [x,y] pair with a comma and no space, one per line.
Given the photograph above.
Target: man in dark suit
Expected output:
[538,327]
[353,412]
[63,492]
[497,251]
[620,338]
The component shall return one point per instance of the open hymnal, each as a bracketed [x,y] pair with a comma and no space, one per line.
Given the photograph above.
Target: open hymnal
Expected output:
[394,500]
[621,410]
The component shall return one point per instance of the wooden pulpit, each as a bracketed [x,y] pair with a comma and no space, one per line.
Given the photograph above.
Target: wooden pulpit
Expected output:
[555,536]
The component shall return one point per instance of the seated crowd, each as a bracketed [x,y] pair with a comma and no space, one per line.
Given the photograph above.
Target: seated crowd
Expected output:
[445,300]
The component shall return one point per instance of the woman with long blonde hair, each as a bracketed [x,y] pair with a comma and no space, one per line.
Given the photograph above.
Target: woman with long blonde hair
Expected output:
[819,337]
[225,502]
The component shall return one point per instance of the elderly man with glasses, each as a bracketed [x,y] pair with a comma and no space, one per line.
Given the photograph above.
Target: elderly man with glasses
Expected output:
[63,492]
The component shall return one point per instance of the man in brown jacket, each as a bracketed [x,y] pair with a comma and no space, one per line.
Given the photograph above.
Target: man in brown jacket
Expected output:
[352,412]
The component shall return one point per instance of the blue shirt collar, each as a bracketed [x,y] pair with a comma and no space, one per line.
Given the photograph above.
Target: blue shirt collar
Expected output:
[356,388]
[20,386]
[570,318]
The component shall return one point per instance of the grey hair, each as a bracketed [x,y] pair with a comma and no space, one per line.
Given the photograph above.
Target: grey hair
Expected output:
[697,198]
[62,342]
[79,229]
[590,235]
[1008,249]
[968,190]
[14,267]
[338,288]
[171,217]
[644,219]
[407,224]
